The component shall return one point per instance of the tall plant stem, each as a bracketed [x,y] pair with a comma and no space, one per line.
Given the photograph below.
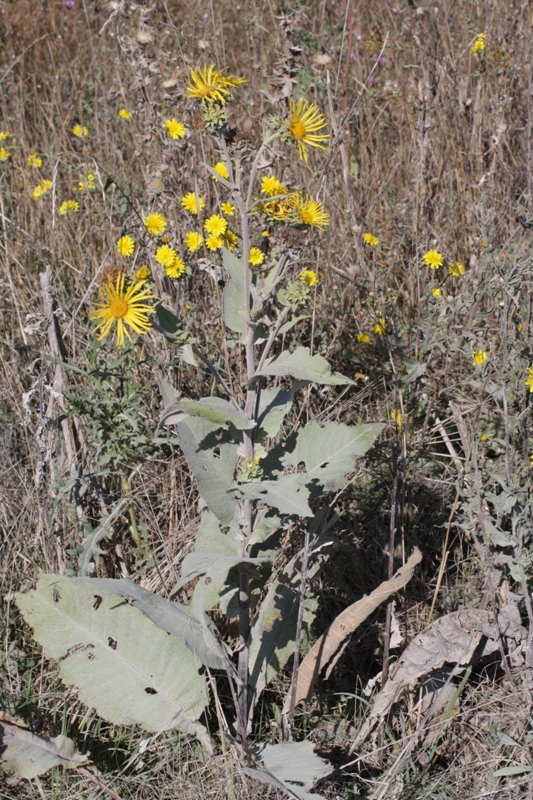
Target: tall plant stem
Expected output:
[243,697]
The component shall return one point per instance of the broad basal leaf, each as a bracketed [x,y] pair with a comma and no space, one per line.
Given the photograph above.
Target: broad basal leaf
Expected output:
[305,367]
[171,617]
[123,665]
[330,452]
[28,755]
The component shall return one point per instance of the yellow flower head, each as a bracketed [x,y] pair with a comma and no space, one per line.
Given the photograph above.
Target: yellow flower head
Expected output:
[5,135]
[208,85]
[216,225]
[80,131]
[279,210]
[124,113]
[42,188]
[34,160]
[193,241]
[4,155]
[380,327]
[311,212]
[175,128]
[309,277]
[529,382]
[436,292]
[143,273]
[457,269]
[479,357]
[189,203]
[271,186]
[256,256]
[68,205]
[155,224]
[176,269]
[228,209]
[304,120]
[166,256]
[371,240]
[364,338]
[214,242]
[230,239]
[222,170]
[433,259]
[396,416]
[125,246]
[479,45]
[126,308]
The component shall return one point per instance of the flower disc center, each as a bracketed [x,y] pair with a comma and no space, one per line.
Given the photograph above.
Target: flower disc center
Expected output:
[298,130]
[119,308]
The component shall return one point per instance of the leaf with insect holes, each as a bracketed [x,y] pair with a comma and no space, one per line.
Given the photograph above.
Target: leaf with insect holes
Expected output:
[287,494]
[330,452]
[124,666]
[212,570]
[171,617]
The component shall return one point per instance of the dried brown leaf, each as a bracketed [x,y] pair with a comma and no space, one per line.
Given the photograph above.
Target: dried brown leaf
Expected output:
[459,638]
[346,623]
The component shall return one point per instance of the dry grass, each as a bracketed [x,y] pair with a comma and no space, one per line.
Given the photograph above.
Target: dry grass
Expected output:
[431,150]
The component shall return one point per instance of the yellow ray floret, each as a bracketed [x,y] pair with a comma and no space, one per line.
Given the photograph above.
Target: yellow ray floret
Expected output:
[209,85]
[128,308]
[155,224]
[190,203]
[304,121]
[311,212]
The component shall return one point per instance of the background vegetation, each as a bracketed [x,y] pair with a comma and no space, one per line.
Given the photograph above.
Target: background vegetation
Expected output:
[430,149]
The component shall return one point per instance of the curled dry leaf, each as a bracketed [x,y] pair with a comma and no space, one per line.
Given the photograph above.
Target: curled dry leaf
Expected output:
[460,638]
[346,623]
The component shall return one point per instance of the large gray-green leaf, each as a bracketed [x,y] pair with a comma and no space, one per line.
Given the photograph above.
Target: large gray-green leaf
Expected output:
[330,452]
[216,409]
[273,633]
[213,486]
[212,570]
[274,404]
[210,538]
[233,301]
[305,367]
[289,764]
[28,755]
[294,761]
[123,665]
[171,617]
[287,494]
